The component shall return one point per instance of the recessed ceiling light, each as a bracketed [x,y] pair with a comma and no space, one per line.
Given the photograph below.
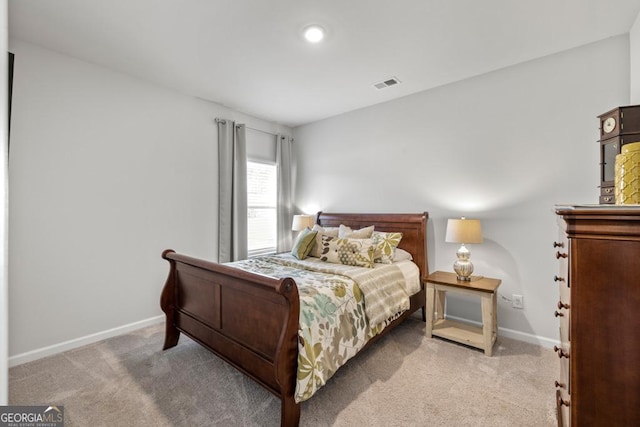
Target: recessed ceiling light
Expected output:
[314,33]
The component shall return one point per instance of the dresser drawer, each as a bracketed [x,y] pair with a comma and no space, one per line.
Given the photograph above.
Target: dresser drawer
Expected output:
[562,409]
[563,395]
[562,312]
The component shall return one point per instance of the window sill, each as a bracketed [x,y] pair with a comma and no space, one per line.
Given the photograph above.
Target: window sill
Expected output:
[261,252]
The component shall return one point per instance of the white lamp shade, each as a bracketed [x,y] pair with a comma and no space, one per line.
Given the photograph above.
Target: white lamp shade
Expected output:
[300,222]
[464,231]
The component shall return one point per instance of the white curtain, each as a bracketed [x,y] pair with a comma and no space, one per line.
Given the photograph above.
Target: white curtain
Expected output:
[232,192]
[284,161]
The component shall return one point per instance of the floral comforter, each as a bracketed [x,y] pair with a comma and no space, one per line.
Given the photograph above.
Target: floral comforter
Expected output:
[333,324]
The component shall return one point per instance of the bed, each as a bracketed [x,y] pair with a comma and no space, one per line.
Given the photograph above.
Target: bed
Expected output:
[219,306]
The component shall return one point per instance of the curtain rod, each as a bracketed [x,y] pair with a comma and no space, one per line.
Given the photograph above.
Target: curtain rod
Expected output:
[260,130]
[218,120]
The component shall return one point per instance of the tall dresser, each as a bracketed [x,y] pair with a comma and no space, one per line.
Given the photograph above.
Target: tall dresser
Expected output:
[599,312]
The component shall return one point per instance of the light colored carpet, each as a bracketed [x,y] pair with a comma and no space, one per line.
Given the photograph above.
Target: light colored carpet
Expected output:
[404,379]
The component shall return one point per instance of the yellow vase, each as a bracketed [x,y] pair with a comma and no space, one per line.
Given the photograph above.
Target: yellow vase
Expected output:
[627,148]
[627,175]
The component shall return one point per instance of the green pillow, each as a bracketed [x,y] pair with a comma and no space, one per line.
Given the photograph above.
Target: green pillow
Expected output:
[304,243]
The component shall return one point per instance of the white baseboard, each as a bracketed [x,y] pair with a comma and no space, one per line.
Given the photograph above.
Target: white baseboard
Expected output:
[32,355]
[516,335]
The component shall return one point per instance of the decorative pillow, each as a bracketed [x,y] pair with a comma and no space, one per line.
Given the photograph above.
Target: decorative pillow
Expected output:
[356,252]
[316,247]
[304,243]
[347,232]
[331,231]
[386,244]
[402,255]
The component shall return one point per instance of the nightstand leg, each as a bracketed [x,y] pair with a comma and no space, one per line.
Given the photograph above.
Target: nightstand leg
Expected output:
[488,324]
[440,298]
[494,298]
[431,293]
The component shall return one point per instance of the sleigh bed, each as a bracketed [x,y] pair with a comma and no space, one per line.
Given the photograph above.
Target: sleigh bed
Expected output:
[252,320]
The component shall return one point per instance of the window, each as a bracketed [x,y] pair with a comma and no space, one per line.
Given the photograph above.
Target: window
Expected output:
[262,199]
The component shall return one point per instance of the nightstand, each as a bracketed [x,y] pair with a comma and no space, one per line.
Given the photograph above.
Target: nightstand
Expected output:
[438,284]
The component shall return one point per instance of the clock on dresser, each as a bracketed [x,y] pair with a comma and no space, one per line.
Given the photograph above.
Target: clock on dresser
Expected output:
[618,127]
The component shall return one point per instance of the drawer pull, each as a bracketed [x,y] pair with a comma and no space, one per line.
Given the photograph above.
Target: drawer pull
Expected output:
[608,190]
[562,305]
[558,279]
[558,244]
[559,385]
[558,314]
[607,199]
[561,352]
[561,255]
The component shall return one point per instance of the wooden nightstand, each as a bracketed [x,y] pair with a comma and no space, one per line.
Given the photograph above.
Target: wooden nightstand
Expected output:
[438,284]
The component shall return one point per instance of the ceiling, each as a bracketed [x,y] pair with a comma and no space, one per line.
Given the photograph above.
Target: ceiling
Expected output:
[249,55]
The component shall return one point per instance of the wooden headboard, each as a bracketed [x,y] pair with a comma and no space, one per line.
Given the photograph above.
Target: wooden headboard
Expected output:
[412,226]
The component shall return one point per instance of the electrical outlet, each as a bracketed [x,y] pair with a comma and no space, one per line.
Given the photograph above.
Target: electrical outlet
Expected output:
[517,301]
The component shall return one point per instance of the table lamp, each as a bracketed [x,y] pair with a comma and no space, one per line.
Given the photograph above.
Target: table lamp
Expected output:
[463,231]
[300,222]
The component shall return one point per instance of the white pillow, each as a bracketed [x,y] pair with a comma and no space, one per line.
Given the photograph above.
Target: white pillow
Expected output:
[347,233]
[402,255]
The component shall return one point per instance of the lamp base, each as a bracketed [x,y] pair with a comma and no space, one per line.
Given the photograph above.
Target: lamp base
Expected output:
[463,267]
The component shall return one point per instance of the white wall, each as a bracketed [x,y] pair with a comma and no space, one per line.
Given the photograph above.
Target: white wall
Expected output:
[634,50]
[503,147]
[106,171]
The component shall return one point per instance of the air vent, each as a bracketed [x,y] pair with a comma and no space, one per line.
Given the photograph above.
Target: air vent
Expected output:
[391,81]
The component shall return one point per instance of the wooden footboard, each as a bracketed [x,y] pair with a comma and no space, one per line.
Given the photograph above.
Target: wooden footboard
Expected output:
[249,320]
